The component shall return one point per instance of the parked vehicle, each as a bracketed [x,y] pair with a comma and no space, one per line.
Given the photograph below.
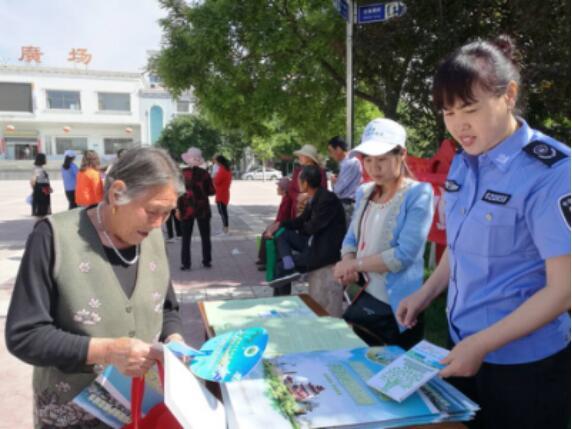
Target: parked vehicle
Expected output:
[258,174]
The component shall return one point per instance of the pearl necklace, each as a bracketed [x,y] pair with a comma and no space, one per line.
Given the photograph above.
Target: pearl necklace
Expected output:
[117,252]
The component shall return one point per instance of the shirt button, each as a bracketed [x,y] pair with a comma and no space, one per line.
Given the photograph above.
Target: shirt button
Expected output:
[489,217]
[131,334]
[463,211]
[128,309]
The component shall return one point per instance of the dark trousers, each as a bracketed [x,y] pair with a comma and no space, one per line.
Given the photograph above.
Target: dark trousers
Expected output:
[524,396]
[205,232]
[70,195]
[288,242]
[222,209]
[170,221]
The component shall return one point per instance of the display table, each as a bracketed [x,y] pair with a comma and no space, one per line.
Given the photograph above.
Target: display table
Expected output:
[307,299]
[219,316]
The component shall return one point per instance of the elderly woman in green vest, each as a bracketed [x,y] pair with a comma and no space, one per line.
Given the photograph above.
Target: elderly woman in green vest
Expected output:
[94,288]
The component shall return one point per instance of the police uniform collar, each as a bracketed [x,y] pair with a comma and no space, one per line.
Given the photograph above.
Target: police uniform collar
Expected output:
[506,151]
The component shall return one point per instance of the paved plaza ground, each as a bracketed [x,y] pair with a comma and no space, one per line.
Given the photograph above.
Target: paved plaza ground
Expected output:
[233,275]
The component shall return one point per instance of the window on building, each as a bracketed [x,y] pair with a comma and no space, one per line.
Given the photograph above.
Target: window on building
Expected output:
[114,102]
[79,144]
[183,106]
[112,145]
[15,97]
[21,147]
[68,100]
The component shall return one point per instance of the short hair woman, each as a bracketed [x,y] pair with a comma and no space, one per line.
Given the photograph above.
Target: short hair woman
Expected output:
[94,288]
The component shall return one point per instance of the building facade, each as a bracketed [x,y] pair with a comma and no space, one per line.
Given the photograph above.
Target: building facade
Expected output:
[51,110]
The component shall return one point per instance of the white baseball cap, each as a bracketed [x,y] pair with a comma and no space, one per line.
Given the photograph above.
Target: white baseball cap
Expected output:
[380,137]
[71,153]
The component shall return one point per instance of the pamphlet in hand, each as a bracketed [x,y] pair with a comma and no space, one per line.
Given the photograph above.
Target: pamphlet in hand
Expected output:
[109,397]
[225,358]
[406,374]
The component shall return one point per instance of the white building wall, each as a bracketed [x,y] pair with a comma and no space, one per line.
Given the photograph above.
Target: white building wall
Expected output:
[89,122]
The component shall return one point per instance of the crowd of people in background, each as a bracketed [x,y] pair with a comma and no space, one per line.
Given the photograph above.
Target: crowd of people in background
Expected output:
[506,266]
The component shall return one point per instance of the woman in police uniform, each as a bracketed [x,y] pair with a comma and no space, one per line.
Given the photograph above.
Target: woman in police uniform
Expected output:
[507,264]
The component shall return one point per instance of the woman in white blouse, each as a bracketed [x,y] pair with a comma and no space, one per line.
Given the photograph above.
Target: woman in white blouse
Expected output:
[383,248]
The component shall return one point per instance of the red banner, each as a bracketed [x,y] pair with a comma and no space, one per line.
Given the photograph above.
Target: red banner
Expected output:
[434,170]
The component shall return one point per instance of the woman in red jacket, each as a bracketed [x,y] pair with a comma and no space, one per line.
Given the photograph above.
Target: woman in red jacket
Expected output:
[222,181]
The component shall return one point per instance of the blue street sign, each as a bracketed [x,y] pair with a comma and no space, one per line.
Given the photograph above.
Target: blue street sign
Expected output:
[342,8]
[380,12]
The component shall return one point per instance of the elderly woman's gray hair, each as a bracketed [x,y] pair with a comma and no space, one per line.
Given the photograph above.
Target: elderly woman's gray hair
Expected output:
[141,169]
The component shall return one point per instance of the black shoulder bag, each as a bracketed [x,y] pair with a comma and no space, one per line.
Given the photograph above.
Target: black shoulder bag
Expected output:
[372,319]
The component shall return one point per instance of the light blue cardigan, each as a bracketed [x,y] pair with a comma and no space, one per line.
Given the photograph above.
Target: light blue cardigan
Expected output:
[405,235]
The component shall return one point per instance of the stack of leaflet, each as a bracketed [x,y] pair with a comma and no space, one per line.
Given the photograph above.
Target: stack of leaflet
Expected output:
[416,370]
[328,389]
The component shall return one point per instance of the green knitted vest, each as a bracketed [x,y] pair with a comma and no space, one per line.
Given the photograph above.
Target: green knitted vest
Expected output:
[91,301]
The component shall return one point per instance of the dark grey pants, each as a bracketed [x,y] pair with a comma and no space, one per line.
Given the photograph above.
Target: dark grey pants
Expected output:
[205,232]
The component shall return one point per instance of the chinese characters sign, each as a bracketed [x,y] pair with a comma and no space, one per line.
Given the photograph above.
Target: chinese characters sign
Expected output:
[31,54]
[79,55]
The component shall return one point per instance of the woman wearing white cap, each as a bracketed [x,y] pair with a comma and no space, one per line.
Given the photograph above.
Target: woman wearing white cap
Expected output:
[307,155]
[383,248]
[69,173]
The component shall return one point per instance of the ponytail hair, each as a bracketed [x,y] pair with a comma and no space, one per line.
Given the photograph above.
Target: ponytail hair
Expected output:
[492,65]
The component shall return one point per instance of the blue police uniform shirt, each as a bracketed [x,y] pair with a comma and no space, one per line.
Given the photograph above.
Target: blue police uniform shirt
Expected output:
[507,211]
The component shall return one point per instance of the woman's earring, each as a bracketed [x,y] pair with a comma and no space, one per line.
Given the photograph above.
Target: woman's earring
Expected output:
[113,210]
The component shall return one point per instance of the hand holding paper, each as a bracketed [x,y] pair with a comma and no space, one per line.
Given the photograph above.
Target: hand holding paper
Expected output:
[409,372]
[465,359]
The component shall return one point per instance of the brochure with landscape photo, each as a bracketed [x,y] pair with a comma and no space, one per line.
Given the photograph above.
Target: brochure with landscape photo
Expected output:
[329,389]
[323,389]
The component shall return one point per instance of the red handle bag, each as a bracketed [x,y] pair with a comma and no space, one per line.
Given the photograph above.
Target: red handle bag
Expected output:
[158,417]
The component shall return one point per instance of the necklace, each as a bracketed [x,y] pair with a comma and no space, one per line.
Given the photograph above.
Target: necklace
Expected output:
[117,252]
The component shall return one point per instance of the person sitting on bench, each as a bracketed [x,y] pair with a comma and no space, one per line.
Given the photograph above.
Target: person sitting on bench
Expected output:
[316,235]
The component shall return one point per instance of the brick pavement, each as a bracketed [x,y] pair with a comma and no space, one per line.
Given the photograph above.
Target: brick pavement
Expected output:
[233,275]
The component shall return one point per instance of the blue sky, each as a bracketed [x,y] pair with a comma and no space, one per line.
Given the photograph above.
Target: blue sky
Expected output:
[116,32]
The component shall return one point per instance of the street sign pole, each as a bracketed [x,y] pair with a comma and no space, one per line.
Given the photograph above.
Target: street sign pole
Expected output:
[349,75]
[367,14]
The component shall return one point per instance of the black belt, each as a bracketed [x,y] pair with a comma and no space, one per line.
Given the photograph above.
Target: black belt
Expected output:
[347,200]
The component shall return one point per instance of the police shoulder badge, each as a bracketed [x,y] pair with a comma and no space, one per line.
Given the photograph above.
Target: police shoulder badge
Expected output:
[452,186]
[544,152]
[564,206]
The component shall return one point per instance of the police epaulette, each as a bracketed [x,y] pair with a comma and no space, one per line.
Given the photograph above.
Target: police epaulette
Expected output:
[545,153]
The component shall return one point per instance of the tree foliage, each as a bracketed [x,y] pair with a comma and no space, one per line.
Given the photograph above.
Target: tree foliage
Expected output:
[250,62]
[186,131]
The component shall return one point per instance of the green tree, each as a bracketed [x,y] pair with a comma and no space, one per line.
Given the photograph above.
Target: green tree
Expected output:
[186,131]
[251,61]
[233,145]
